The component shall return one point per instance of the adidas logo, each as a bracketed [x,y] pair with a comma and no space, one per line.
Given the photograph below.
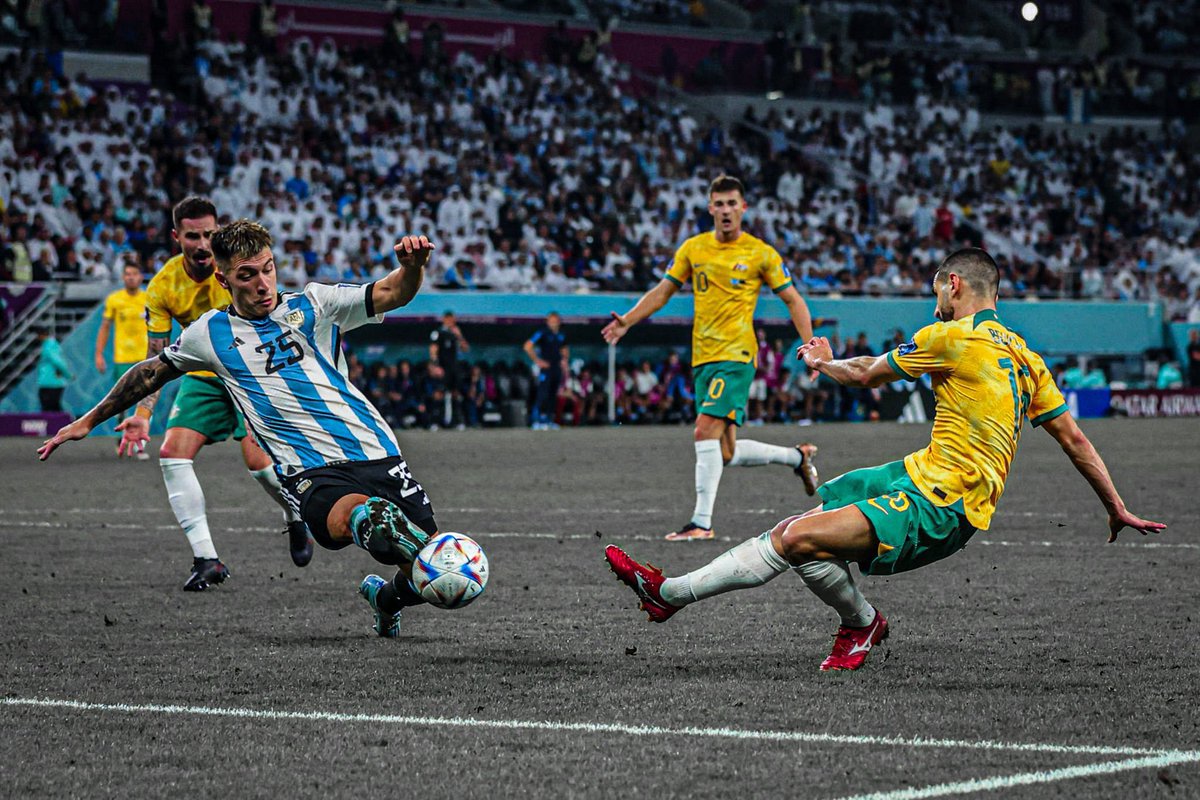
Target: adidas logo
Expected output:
[237,342]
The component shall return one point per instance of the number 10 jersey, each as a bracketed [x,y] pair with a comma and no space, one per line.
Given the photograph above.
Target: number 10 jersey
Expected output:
[285,373]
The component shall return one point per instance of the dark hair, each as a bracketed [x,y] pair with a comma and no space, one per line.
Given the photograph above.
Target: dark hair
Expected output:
[726,183]
[976,268]
[193,207]
[243,238]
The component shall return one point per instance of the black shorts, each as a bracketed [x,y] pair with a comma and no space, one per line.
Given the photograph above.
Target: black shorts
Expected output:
[316,491]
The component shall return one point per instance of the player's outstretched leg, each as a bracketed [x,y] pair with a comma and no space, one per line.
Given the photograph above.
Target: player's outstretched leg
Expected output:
[206,572]
[381,528]
[751,563]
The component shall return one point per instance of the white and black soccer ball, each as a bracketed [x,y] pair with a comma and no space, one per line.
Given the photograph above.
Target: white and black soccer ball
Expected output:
[450,571]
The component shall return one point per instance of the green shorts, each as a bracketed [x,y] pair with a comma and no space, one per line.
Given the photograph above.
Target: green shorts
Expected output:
[912,531]
[723,388]
[203,405]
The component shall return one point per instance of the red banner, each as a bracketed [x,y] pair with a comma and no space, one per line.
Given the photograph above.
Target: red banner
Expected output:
[1157,402]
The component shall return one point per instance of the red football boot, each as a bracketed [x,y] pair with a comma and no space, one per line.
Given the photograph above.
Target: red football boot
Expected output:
[851,645]
[645,581]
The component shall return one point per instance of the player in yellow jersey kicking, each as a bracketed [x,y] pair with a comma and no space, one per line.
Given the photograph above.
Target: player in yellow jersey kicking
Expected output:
[203,412]
[727,268]
[909,513]
[125,318]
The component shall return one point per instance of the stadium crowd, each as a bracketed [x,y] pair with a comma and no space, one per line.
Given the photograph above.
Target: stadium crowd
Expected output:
[555,176]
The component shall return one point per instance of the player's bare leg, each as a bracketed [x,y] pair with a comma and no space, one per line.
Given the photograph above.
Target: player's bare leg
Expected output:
[176,457]
[380,527]
[263,471]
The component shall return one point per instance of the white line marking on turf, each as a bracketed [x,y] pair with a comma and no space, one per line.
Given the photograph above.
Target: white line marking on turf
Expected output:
[600,727]
[1030,778]
[638,537]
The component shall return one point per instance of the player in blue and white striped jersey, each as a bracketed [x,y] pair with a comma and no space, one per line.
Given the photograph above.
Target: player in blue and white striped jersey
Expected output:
[279,354]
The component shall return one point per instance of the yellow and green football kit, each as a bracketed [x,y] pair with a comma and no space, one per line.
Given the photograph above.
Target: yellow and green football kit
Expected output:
[127,314]
[987,382]
[202,403]
[726,278]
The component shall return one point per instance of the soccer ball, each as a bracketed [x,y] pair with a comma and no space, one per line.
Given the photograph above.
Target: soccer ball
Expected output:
[450,571]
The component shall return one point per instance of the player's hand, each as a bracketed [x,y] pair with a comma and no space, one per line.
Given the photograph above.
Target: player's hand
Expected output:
[101,366]
[615,329]
[414,251]
[818,351]
[67,433]
[1124,519]
[135,435]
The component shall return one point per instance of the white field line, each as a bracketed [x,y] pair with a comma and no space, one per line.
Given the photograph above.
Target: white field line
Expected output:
[1031,778]
[636,537]
[601,728]
[780,512]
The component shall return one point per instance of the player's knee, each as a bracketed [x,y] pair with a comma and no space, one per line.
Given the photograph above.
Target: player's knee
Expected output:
[798,541]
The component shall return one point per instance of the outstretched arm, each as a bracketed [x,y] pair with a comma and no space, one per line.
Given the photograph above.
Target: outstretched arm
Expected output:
[649,303]
[143,379]
[1091,466]
[401,285]
[864,372]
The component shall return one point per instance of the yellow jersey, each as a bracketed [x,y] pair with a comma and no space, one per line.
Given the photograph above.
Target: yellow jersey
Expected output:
[127,313]
[726,278]
[172,295]
[987,382]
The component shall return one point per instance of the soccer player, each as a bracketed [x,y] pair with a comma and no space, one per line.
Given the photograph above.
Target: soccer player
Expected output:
[278,355]
[548,351]
[727,267]
[909,513]
[183,291]
[125,318]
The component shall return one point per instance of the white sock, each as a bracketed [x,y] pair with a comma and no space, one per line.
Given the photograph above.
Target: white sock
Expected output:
[269,481]
[709,466]
[832,582]
[187,501]
[751,563]
[749,453]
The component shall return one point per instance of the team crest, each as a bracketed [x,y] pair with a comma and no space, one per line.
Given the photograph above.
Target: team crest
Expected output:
[295,318]
[740,268]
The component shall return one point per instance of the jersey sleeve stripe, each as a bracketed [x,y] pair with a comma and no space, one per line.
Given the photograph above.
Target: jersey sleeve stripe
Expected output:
[369,299]
[782,286]
[159,334]
[674,280]
[1049,415]
[891,359]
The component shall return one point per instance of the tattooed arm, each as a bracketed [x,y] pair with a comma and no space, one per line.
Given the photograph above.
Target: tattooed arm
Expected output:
[142,380]
[154,346]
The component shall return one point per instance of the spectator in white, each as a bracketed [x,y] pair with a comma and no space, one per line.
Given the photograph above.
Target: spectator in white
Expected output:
[455,211]
[293,275]
[790,188]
